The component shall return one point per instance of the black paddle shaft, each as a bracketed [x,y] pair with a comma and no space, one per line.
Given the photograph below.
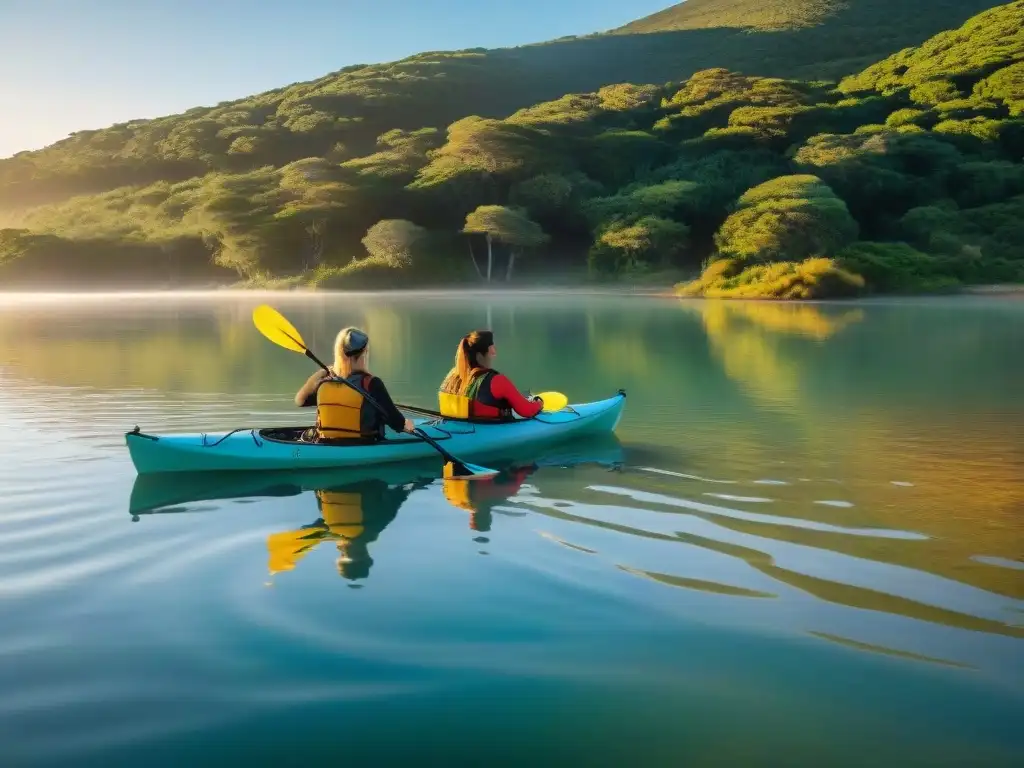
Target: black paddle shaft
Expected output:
[380,409]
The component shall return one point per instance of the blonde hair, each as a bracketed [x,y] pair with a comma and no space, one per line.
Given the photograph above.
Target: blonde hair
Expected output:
[349,348]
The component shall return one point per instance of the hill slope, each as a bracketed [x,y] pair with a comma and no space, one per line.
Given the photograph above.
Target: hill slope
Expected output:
[906,176]
[340,115]
[741,14]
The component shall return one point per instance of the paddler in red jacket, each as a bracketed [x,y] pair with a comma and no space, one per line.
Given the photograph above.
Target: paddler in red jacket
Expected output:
[474,390]
[479,497]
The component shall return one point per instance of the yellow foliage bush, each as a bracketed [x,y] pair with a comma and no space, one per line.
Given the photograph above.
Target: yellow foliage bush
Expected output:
[815,278]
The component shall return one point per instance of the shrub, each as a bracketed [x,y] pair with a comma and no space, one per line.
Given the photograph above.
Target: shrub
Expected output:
[394,241]
[895,267]
[373,273]
[630,248]
[815,278]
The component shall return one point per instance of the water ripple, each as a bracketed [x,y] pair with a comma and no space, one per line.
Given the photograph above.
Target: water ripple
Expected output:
[709,509]
[53,576]
[875,605]
[828,566]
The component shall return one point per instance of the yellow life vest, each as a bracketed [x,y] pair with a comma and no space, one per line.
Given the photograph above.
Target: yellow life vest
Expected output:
[340,410]
[453,406]
[458,406]
[342,513]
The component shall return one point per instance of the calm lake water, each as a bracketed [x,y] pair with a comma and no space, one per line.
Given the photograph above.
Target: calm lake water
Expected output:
[806,546]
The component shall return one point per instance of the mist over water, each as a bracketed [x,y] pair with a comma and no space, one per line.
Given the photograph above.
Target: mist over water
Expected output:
[805,546]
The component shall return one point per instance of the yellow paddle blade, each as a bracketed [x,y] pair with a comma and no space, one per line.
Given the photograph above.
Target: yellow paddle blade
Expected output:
[553,401]
[285,549]
[273,325]
[458,492]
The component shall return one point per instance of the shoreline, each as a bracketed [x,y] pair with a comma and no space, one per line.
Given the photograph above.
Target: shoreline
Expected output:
[998,289]
[639,291]
[12,296]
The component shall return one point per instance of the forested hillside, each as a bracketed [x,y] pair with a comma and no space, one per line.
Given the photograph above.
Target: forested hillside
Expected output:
[341,115]
[904,175]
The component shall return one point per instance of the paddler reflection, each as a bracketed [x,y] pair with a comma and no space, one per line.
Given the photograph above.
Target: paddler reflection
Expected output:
[480,497]
[352,517]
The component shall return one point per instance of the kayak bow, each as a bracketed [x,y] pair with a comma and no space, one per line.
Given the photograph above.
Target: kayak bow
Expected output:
[281,447]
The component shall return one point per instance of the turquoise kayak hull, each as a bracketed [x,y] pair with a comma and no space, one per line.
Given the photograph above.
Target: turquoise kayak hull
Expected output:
[273,449]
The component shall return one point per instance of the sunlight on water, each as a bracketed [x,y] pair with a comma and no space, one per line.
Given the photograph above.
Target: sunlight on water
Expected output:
[810,520]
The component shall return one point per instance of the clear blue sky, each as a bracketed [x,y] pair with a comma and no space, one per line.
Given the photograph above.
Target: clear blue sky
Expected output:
[68,65]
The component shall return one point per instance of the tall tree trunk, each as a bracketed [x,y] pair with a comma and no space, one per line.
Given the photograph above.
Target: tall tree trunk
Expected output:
[511,263]
[472,257]
[318,251]
[170,254]
[315,230]
[490,257]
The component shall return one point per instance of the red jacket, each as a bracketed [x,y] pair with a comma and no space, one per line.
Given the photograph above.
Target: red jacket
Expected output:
[497,394]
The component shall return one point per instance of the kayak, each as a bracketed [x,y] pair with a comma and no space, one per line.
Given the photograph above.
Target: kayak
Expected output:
[279,448]
[282,448]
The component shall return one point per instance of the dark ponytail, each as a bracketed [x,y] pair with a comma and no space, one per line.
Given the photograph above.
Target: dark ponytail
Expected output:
[470,346]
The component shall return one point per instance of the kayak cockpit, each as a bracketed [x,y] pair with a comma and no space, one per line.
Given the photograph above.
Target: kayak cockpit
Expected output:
[304,436]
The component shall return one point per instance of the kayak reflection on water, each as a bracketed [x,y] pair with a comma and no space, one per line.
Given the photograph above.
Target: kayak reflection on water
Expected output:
[355,505]
[352,516]
[480,497]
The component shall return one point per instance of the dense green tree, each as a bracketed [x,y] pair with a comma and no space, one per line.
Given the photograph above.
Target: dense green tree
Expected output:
[557,201]
[401,155]
[895,267]
[646,243]
[983,182]
[546,195]
[1006,86]
[785,219]
[720,177]
[901,169]
[672,199]
[619,157]
[478,145]
[311,194]
[394,241]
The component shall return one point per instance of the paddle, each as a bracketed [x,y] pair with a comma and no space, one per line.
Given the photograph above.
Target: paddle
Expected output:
[275,327]
[553,401]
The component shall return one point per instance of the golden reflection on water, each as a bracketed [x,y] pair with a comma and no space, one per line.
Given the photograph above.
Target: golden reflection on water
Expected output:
[968,494]
[794,319]
[746,336]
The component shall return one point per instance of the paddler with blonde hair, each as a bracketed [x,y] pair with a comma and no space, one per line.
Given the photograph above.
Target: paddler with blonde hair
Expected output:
[342,413]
